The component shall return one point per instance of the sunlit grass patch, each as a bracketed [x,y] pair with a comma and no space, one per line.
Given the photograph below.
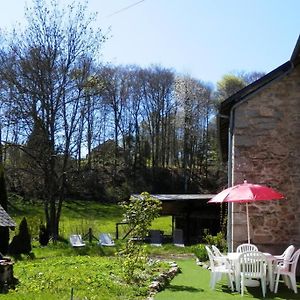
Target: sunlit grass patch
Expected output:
[88,277]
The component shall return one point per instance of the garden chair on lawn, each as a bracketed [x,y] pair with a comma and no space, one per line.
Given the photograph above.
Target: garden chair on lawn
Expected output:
[253,265]
[287,254]
[218,256]
[246,248]
[287,268]
[76,240]
[217,270]
[106,240]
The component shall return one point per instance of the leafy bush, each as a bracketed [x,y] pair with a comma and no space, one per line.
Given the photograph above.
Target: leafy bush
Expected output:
[21,242]
[140,212]
[217,240]
[200,252]
[44,235]
[33,223]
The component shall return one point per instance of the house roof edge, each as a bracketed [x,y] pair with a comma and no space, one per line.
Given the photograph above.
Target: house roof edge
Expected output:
[295,58]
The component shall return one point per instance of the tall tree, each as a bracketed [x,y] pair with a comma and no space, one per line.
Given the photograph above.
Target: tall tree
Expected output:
[196,109]
[249,77]
[40,65]
[158,105]
[232,83]
[4,231]
[115,94]
[229,85]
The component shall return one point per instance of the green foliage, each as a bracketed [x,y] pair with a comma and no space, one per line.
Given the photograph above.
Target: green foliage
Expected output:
[133,259]
[92,272]
[88,276]
[200,252]
[44,235]
[33,223]
[217,240]
[139,213]
[21,242]
[228,85]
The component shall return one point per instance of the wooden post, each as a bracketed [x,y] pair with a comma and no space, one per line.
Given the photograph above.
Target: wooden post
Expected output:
[117,231]
[90,235]
[173,222]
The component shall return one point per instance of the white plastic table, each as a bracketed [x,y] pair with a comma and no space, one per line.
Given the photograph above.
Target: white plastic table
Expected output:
[233,257]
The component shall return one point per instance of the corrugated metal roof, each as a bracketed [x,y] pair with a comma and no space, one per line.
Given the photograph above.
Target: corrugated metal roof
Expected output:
[5,219]
[181,197]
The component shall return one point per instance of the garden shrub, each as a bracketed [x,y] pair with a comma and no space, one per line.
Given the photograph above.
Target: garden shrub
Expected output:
[44,235]
[33,223]
[139,213]
[217,240]
[21,243]
[200,252]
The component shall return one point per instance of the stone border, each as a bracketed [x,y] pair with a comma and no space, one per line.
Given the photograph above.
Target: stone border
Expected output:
[163,279]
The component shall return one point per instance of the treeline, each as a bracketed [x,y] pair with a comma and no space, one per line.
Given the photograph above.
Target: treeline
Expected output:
[124,120]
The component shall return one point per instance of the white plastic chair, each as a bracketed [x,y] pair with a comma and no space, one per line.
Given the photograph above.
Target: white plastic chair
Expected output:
[76,240]
[217,270]
[286,255]
[287,268]
[253,265]
[218,256]
[216,251]
[106,240]
[246,248]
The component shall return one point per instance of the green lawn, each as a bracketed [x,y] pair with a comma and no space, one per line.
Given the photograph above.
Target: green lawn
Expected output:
[78,216]
[193,283]
[94,272]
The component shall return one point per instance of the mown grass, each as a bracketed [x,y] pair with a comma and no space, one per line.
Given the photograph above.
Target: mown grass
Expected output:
[89,276]
[193,284]
[78,216]
[92,272]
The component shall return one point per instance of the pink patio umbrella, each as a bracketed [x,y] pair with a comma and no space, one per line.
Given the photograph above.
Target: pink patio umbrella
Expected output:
[246,192]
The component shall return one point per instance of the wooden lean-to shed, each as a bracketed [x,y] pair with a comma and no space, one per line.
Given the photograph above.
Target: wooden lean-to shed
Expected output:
[192,214]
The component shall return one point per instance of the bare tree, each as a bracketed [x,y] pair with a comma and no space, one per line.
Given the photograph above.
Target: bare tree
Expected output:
[195,110]
[115,94]
[42,66]
[158,105]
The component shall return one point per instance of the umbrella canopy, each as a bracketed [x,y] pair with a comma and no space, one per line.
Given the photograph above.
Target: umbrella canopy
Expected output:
[246,192]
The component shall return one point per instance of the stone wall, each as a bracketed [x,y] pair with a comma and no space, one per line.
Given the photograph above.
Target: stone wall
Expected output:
[266,150]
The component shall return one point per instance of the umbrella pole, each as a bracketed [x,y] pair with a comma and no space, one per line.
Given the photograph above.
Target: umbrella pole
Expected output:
[248,225]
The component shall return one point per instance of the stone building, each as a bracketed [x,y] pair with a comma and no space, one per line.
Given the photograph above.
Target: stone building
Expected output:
[259,129]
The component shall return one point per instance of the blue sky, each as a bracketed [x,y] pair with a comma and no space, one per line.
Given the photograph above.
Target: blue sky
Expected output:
[203,38]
